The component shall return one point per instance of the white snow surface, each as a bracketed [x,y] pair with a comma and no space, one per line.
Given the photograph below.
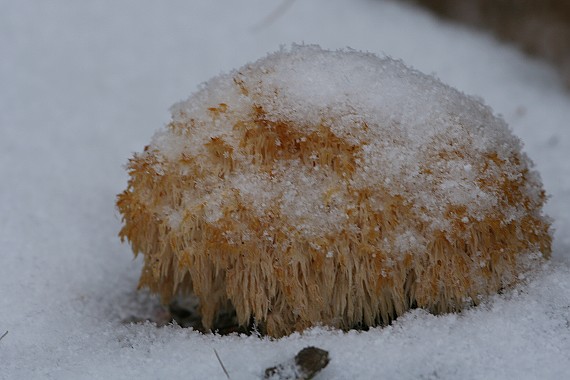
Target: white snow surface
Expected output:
[85,84]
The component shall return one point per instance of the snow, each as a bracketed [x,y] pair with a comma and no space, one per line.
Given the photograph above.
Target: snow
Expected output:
[86,84]
[400,118]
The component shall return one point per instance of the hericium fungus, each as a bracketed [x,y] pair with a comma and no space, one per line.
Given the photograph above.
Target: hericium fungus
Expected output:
[332,187]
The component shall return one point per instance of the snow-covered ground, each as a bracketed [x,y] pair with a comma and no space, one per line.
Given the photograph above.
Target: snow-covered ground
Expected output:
[85,84]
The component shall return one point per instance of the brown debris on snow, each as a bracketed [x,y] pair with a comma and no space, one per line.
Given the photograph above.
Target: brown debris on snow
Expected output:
[307,364]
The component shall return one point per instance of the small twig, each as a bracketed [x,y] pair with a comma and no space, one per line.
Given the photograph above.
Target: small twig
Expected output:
[269,19]
[222,364]
[3,335]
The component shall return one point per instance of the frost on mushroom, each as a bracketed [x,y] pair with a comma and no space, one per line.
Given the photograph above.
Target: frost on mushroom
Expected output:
[332,187]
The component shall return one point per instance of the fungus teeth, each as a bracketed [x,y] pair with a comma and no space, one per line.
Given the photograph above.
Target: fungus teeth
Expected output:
[337,188]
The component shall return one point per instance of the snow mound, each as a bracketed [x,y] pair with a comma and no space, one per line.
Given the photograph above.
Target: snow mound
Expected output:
[332,187]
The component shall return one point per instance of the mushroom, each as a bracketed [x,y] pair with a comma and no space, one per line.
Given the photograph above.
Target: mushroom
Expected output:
[336,188]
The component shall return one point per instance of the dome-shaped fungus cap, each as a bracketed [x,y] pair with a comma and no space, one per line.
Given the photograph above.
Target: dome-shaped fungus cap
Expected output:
[332,187]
